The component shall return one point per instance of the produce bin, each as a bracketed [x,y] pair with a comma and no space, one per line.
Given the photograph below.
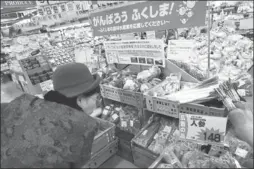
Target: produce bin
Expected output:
[123,96]
[142,157]
[105,136]
[173,108]
[102,156]
[172,159]
[124,144]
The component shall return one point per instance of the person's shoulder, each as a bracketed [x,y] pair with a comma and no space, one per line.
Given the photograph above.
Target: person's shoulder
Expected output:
[53,96]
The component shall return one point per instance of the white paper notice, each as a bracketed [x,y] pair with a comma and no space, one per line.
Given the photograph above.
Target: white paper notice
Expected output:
[180,50]
[137,52]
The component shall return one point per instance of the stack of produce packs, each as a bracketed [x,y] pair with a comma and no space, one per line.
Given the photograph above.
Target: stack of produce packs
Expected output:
[161,136]
[231,54]
[125,117]
[148,81]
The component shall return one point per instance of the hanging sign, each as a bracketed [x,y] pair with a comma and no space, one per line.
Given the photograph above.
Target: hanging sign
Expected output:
[17,4]
[148,16]
[180,49]
[138,52]
[48,2]
[200,128]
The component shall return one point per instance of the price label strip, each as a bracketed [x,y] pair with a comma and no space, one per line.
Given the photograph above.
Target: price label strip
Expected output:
[205,129]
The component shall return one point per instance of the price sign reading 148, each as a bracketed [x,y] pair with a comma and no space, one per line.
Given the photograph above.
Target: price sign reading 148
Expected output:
[207,129]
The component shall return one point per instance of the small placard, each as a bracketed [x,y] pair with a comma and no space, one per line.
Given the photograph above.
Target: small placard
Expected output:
[241,152]
[47,85]
[181,50]
[200,128]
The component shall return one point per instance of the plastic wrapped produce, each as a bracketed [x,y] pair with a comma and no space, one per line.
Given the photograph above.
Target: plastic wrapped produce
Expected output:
[240,149]
[149,74]
[145,138]
[160,140]
[131,85]
[37,133]
[168,86]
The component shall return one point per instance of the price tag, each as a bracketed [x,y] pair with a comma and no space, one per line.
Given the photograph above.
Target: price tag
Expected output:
[131,123]
[47,85]
[167,129]
[150,34]
[155,136]
[21,78]
[123,123]
[144,132]
[241,92]
[200,128]
[241,152]
[115,116]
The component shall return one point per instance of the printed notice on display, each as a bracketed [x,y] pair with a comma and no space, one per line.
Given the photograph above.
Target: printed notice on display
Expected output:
[202,128]
[136,52]
[181,50]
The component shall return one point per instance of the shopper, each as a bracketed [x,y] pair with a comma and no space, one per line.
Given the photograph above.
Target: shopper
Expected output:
[242,121]
[75,86]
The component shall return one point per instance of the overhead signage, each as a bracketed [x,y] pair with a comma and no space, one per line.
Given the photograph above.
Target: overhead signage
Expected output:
[201,128]
[148,16]
[137,52]
[18,4]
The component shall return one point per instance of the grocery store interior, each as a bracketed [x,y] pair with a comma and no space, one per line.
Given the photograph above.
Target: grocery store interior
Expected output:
[126,84]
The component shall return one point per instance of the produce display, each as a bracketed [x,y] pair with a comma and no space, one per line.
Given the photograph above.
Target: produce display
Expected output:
[162,137]
[128,80]
[231,53]
[124,116]
[59,56]
[158,134]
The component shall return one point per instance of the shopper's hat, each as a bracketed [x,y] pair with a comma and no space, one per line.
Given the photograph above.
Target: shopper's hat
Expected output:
[74,79]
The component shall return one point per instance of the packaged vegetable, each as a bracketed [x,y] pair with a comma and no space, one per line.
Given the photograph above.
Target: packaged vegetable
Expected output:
[149,74]
[145,138]
[168,86]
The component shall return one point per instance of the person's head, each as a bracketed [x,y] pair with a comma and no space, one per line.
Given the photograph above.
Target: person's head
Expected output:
[75,81]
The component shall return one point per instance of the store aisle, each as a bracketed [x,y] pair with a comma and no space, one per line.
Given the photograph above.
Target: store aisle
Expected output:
[117,162]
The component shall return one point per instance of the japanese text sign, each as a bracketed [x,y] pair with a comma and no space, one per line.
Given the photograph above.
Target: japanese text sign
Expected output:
[137,52]
[148,16]
[17,4]
[180,49]
[200,128]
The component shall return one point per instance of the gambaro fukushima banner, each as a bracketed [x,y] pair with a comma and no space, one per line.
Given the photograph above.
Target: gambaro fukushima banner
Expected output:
[147,16]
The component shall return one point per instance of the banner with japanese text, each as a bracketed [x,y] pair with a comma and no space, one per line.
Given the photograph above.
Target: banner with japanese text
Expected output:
[148,16]
[137,52]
